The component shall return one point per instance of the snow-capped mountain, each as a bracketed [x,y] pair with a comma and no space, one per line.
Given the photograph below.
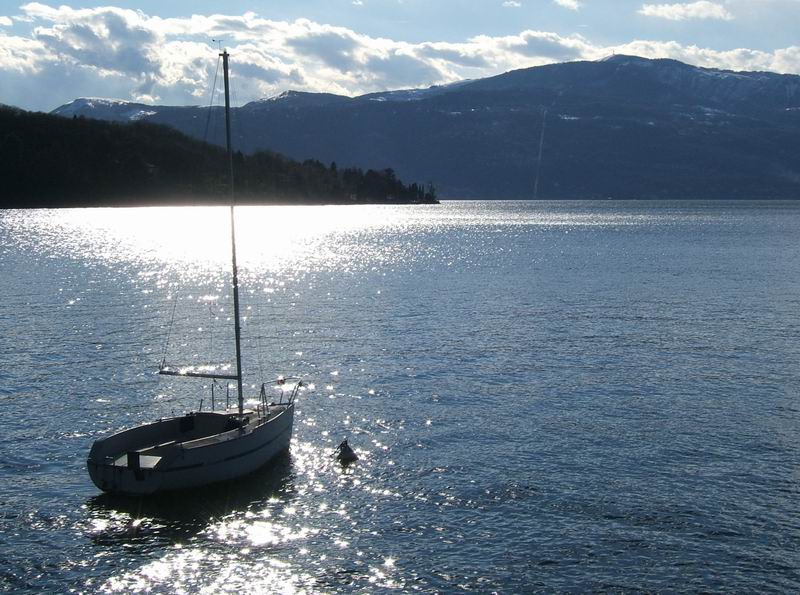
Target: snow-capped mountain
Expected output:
[623,127]
[115,110]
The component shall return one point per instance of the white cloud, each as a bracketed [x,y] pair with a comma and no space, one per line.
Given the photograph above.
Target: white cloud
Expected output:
[127,53]
[681,12]
[5,22]
[571,4]
[535,47]
[20,54]
[784,61]
[512,4]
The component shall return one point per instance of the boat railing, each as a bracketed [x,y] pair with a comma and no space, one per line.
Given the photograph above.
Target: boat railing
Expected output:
[282,399]
[215,384]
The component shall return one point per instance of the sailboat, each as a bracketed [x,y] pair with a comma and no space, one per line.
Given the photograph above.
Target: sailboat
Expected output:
[200,447]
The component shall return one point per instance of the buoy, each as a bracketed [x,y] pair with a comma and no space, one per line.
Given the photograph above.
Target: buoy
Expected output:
[345,454]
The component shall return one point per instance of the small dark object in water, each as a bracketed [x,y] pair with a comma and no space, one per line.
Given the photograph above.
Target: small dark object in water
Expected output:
[344,453]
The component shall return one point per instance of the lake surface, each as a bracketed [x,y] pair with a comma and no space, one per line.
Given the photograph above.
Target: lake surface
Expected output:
[545,396]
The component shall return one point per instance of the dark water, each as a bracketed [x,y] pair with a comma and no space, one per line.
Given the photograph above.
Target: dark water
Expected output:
[545,397]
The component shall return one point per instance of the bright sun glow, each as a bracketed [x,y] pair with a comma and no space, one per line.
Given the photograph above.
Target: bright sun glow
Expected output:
[275,244]
[271,238]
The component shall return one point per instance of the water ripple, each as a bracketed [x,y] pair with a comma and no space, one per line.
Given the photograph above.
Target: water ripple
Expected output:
[544,397]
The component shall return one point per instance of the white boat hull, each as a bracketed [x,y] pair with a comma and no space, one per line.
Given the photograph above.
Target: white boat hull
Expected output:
[189,451]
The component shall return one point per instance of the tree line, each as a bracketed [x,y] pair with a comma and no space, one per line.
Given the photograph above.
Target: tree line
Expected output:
[47,160]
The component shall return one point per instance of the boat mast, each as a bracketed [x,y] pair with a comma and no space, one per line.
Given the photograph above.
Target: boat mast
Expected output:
[237,324]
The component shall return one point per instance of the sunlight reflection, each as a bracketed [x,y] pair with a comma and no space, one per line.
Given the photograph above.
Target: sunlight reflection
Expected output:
[259,533]
[283,543]
[196,570]
[196,241]
[268,236]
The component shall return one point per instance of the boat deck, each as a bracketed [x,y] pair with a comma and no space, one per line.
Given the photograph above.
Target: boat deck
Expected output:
[145,461]
[217,427]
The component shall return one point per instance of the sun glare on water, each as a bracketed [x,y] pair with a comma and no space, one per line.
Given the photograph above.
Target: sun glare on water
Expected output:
[196,238]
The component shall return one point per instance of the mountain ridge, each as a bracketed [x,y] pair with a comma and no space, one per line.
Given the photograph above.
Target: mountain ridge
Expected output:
[624,126]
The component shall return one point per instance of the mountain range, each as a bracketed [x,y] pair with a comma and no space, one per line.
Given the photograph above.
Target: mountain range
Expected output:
[624,127]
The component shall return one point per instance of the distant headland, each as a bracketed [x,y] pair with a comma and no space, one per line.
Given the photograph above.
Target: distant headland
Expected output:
[51,161]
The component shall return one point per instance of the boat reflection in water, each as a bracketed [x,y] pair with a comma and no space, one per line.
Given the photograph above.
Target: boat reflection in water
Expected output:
[181,541]
[179,516]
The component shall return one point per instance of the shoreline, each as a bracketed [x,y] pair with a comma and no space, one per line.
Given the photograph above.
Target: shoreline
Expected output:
[121,204]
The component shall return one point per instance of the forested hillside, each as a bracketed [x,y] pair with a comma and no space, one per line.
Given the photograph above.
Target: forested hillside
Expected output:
[46,160]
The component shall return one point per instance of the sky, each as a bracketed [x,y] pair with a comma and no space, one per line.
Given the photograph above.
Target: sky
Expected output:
[162,52]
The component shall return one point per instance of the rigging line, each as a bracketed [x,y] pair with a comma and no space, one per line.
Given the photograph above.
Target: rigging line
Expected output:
[169,328]
[234,110]
[211,102]
[271,325]
[211,330]
[234,100]
[259,359]
[541,144]
[539,158]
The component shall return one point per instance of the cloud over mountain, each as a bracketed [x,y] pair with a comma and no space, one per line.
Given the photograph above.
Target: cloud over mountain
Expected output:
[126,53]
